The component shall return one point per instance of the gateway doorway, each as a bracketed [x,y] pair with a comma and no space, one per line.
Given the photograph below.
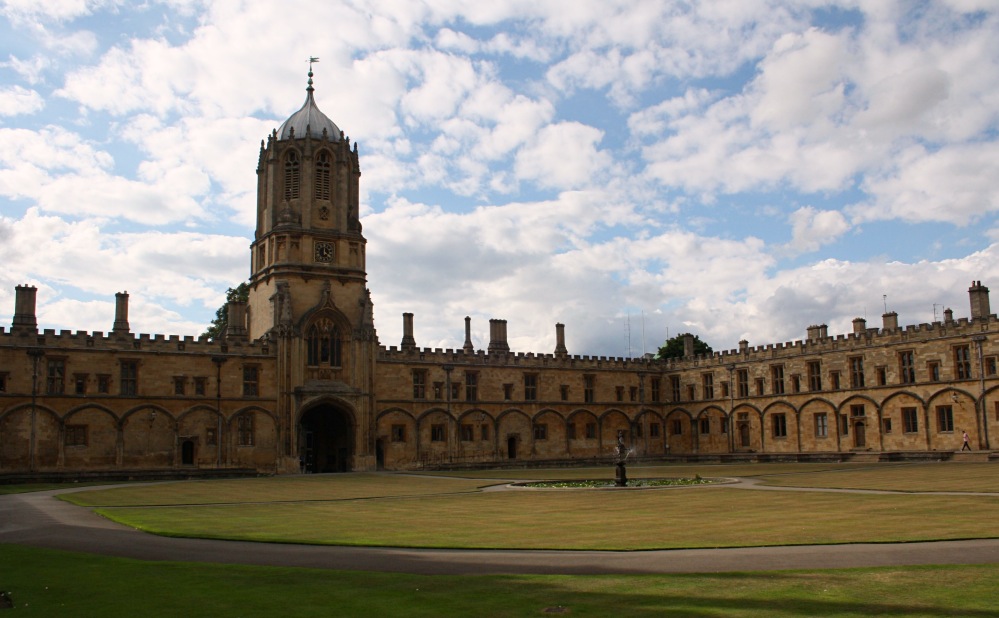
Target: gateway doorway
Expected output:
[326,440]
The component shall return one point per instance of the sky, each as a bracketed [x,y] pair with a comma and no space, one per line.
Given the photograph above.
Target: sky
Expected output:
[737,169]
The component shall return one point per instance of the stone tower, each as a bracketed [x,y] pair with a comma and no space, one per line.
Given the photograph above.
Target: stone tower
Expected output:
[308,292]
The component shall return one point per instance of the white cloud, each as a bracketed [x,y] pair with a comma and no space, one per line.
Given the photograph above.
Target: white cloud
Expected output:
[958,184]
[811,228]
[181,269]
[17,100]
[564,156]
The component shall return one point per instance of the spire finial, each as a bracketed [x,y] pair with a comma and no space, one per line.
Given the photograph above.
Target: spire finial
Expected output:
[312,59]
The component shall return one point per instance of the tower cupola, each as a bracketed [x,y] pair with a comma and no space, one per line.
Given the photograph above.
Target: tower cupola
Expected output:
[309,120]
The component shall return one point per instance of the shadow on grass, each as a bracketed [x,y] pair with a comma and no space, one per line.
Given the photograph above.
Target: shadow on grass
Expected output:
[62,583]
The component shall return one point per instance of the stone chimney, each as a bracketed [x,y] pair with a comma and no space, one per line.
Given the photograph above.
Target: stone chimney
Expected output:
[743,346]
[408,341]
[497,337]
[859,326]
[890,321]
[818,332]
[979,295]
[560,349]
[688,345]
[468,347]
[120,314]
[235,319]
[948,316]
[24,309]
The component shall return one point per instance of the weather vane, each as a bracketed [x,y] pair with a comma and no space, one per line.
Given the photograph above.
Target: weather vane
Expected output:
[312,59]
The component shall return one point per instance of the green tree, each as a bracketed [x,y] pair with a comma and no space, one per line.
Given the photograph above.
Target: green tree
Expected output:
[673,348]
[217,327]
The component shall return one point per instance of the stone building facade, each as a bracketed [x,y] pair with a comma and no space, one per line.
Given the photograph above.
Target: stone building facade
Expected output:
[300,380]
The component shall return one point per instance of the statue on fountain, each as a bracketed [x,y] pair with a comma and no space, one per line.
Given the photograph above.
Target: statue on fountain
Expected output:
[620,475]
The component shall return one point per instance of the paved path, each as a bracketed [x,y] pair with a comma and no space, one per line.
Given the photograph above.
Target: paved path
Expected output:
[39,520]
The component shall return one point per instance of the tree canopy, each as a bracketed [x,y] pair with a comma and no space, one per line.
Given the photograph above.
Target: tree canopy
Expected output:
[673,348]
[218,325]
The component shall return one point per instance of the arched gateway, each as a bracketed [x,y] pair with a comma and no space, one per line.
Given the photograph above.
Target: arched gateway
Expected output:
[326,439]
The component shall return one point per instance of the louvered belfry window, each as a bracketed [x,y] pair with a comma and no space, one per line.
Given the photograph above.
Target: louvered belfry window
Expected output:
[323,176]
[292,176]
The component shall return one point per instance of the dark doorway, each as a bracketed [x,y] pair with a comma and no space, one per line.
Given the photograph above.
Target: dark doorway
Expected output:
[744,434]
[511,447]
[187,453]
[379,455]
[326,440]
[859,437]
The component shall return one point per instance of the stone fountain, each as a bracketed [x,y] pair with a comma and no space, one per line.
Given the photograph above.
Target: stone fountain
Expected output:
[620,474]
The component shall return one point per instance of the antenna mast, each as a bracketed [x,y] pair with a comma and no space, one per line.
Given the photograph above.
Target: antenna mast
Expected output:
[644,351]
[627,332]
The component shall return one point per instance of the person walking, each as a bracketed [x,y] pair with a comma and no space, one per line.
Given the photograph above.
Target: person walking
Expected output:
[967,445]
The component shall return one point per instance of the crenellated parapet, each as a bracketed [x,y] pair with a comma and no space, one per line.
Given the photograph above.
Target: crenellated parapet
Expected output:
[512,359]
[97,340]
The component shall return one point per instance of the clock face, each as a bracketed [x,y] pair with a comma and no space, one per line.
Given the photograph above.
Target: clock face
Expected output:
[324,252]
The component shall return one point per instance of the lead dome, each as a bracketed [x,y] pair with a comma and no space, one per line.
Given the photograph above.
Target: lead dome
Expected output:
[308,120]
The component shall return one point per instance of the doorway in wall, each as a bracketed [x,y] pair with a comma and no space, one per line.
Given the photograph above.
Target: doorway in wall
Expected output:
[326,439]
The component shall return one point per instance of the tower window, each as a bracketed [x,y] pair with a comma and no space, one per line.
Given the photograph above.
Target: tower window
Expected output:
[292,176]
[323,176]
[323,343]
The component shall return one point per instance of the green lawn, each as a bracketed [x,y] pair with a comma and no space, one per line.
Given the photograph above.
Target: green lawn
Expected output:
[299,488]
[585,519]
[50,583]
[451,511]
[935,476]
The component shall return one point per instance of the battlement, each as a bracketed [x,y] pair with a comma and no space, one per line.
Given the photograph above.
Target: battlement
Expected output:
[844,342]
[868,337]
[523,359]
[98,340]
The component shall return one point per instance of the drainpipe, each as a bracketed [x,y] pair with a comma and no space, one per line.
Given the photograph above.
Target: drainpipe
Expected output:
[978,339]
[452,437]
[219,361]
[731,408]
[35,354]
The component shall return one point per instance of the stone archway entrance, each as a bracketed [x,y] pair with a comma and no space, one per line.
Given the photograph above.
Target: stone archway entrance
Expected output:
[326,439]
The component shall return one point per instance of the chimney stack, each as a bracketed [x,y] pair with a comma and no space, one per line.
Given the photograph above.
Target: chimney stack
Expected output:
[468,347]
[859,326]
[818,332]
[120,314]
[688,345]
[890,321]
[497,337]
[235,319]
[560,349]
[408,341]
[24,309]
[979,295]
